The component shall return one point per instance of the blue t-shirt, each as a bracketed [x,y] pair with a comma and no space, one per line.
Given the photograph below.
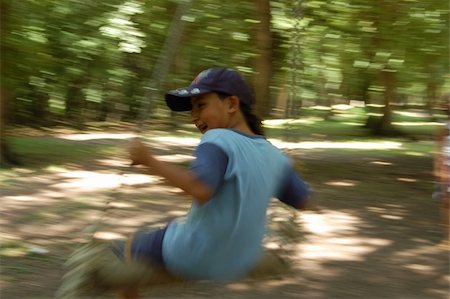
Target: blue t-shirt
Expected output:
[222,239]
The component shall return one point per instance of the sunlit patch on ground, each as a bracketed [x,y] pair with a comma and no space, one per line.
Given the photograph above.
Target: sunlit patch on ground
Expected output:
[391,217]
[416,124]
[381,163]
[328,223]
[91,180]
[93,136]
[107,235]
[114,162]
[21,198]
[406,180]
[88,181]
[50,207]
[276,123]
[389,212]
[349,123]
[370,145]
[121,205]
[411,113]
[341,183]
[420,268]
[417,154]
[137,179]
[335,236]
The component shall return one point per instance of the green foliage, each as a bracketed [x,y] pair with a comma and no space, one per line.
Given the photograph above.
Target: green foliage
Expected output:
[74,61]
[40,151]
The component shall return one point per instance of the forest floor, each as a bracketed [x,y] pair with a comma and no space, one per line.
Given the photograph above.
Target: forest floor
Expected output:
[375,236]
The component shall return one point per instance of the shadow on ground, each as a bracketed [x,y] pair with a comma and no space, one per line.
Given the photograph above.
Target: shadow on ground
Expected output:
[375,236]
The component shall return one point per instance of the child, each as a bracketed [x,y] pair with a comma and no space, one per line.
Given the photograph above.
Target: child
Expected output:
[235,174]
[231,181]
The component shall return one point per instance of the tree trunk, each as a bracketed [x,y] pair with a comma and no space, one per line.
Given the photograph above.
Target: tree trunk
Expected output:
[263,63]
[383,125]
[39,107]
[75,100]
[431,97]
[165,60]
[388,78]
[294,100]
[6,154]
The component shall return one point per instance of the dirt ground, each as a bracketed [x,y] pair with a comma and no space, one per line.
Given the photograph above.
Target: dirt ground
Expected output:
[375,236]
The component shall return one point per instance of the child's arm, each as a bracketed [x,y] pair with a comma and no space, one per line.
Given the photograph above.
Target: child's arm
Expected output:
[296,193]
[176,176]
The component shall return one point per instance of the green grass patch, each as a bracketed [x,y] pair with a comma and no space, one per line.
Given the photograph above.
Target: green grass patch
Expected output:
[68,209]
[35,152]
[348,124]
[19,260]
[13,249]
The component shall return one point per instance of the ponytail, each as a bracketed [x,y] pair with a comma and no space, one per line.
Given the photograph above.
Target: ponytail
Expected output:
[253,120]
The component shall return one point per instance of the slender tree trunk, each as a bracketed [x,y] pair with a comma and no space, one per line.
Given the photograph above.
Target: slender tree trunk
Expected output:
[75,100]
[164,61]
[431,97]
[294,100]
[39,107]
[263,63]
[388,78]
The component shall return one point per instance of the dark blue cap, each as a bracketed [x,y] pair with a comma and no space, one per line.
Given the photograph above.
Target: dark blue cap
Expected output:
[223,80]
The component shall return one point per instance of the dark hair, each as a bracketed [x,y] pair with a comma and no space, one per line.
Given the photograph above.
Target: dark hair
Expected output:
[253,120]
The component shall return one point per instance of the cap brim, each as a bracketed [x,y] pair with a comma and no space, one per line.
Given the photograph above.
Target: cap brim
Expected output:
[177,103]
[180,99]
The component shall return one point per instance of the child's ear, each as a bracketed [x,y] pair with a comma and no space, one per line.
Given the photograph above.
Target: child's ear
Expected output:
[234,104]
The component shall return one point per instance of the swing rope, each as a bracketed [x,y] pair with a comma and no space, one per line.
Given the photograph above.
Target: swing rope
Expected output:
[164,61]
[158,76]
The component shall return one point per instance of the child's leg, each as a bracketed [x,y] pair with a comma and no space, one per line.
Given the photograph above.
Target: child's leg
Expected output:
[146,246]
[99,266]
[142,264]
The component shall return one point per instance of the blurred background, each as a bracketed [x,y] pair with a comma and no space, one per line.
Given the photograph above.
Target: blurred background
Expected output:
[353,90]
[72,62]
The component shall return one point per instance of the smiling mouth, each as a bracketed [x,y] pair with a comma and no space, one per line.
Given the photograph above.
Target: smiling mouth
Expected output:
[202,128]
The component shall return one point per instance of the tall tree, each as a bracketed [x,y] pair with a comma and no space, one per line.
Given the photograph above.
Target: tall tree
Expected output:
[6,153]
[263,61]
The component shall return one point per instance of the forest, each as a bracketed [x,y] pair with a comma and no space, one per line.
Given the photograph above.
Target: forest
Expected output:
[353,91]
[72,62]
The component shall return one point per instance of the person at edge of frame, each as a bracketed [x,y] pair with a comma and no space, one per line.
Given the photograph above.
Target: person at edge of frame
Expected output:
[442,174]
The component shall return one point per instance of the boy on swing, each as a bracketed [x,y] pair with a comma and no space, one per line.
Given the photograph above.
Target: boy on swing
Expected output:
[235,174]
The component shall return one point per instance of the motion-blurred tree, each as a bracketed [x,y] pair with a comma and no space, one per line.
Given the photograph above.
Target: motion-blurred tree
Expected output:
[74,61]
[263,61]
[6,154]
[377,52]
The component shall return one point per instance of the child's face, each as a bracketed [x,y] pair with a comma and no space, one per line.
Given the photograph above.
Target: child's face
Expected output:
[210,112]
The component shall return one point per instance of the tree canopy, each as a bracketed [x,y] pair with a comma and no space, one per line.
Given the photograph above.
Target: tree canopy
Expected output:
[75,61]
